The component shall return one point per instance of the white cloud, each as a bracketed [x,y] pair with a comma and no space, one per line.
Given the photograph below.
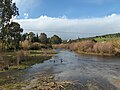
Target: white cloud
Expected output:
[26,15]
[64,27]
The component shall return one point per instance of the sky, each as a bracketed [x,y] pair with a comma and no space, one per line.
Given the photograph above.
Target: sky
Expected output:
[69,19]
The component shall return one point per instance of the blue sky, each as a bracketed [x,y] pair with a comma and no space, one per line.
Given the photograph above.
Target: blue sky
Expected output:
[69,8]
[51,14]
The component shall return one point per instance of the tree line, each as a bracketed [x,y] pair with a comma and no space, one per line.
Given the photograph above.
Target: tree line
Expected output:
[35,41]
[42,38]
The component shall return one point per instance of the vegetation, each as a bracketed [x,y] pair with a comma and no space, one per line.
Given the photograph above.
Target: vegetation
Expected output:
[20,50]
[23,59]
[55,39]
[15,45]
[91,46]
[43,38]
[7,28]
[11,37]
[47,81]
[107,37]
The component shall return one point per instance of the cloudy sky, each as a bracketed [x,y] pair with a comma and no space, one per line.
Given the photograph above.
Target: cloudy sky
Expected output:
[69,18]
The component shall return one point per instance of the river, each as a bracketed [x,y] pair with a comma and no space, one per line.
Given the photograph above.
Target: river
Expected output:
[102,71]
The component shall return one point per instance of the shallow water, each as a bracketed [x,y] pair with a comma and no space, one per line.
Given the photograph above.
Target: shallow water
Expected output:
[102,71]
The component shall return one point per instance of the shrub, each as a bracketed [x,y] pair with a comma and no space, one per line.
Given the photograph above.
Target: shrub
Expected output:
[116,44]
[86,46]
[4,61]
[0,46]
[103,47]
[20,57]
[49,46]
[74,46]
[25,44]
[35,46]
[96,48]
[65,46]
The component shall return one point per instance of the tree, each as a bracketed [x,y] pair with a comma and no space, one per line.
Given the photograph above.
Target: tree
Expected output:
[55,40]
[15,35]
[23,37]
[35,38]
[43,38]
[1,5]
[7,10]
[31,36]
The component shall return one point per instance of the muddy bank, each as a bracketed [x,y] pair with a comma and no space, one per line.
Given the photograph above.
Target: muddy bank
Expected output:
[47,82]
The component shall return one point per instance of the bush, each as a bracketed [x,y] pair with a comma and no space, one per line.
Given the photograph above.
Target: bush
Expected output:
[85,46]
[103,47]
[0,46]
[74,46]
[65,46]
[116,45]
[4,62]
[35,46]
[20,57]
[25,44]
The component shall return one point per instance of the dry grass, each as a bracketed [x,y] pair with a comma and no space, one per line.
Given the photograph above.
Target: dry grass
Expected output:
[17,59]
[47,82]
[89,46]
[103,47]
[25,44]
[116,81]
[4,62]
[116,44]
[20,56]
[66,46]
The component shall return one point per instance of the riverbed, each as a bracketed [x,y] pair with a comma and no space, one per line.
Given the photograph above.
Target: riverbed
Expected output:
[100,71]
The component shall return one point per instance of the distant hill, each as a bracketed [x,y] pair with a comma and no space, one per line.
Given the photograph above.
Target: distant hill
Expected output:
[110,35]
[106,37]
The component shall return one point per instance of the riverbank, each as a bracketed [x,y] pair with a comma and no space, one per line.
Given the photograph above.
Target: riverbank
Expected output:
[96,54]
[29,58]
[42,82]
[23,59]
[91,47]
[47,81]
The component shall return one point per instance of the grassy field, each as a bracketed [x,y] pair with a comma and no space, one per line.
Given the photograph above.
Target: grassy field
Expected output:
[100,39]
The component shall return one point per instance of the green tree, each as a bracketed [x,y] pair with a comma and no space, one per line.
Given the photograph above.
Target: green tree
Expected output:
[35,38]
[55,39]
[31,36]
[23,37]
[15,35]
[7,10]
[43,38]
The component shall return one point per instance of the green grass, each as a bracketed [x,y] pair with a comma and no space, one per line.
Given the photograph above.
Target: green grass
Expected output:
[106,39]
[19,67]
